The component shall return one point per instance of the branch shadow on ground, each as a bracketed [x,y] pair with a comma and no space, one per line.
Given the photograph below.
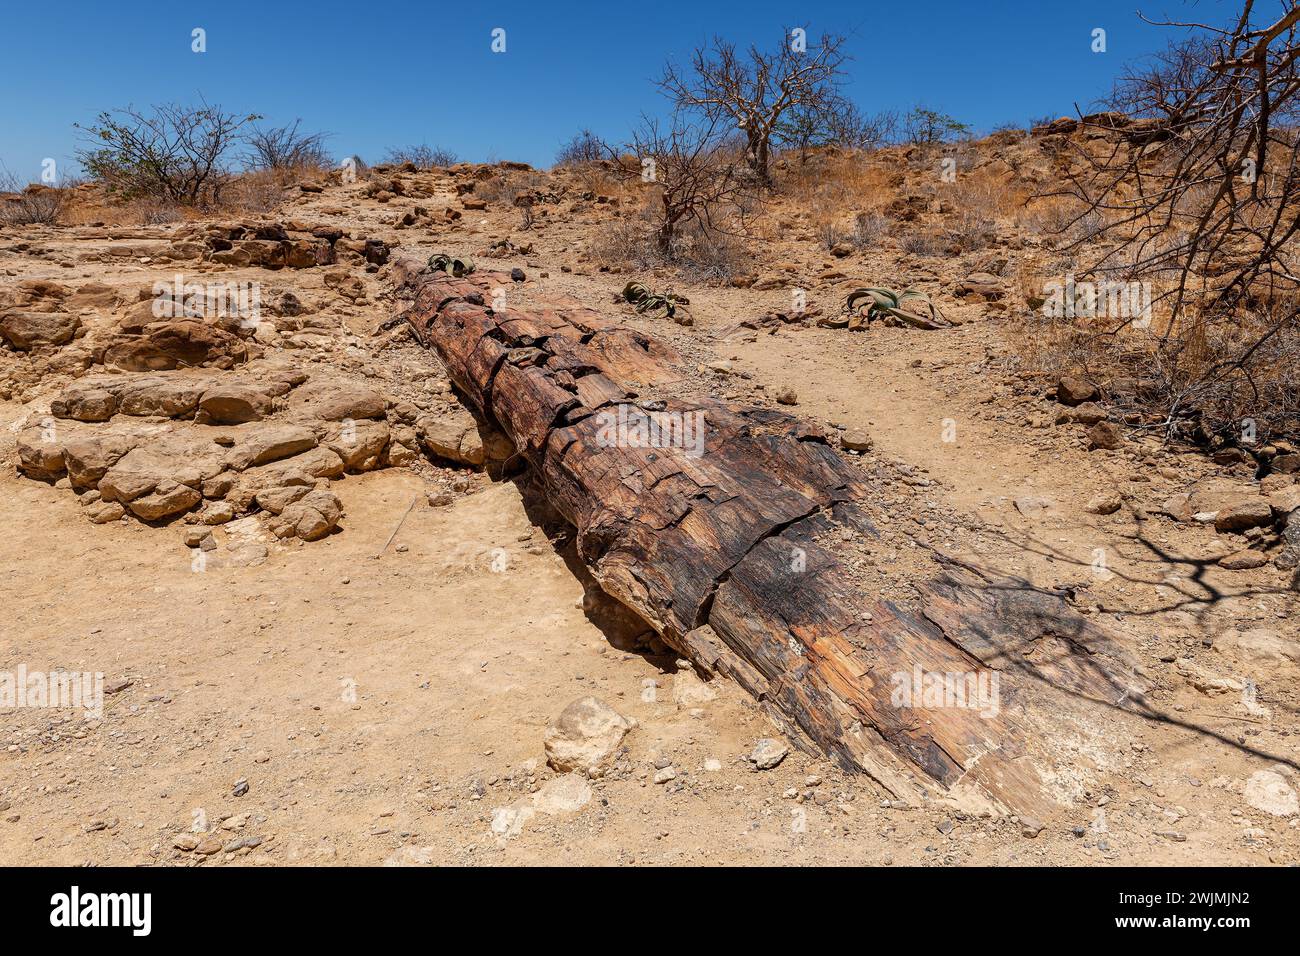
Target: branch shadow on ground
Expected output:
[1092,665]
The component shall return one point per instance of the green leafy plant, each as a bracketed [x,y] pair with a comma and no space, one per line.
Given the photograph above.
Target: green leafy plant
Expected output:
[909,306]
[646,301]
[172,152]
[441,262]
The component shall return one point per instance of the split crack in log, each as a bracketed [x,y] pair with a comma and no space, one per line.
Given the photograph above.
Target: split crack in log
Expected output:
[701,548]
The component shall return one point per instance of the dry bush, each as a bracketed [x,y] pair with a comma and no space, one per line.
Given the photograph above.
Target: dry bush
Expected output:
[179,153]
[923,242]
[867,231]
[584,148]
[258,193]
[631,243]
[598,179]
[694,185]
[870,229]
[845,195]
[422,156]
[153,212]
[284,147]
[512,186]
[830,234]
[1047,216]
[969,230]
[33,204]
[985,203]
[1212,402]
[1197,199]
[835,178]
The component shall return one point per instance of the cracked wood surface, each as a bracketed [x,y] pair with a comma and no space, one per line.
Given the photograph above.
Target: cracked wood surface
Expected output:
[730,554]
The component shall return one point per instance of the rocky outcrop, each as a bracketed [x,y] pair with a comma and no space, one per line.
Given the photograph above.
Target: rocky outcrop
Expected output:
[29,330]
[274,245]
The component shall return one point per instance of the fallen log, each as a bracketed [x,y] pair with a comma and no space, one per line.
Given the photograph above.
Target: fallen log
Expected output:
[722,527]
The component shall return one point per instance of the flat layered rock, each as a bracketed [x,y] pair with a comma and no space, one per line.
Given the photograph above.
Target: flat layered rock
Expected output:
[29,330]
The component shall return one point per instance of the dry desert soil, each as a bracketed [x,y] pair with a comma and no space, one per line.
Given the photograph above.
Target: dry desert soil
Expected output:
[368,679]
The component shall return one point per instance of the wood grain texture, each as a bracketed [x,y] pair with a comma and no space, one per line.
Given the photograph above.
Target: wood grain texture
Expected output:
[728,549]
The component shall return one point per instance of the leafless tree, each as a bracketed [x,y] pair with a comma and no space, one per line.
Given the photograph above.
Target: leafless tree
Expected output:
[174,152]
[864,131]
[584,147]
[695,178]
[422,156]
[754,90]
[283,147]
[1199,195]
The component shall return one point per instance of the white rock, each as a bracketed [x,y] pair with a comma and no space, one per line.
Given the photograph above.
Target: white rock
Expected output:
[1030,505]
[767,753]
[585,735]
[510,821]
[411,856]
[567,794]
[1268,790]
[1260,646]
[689,691]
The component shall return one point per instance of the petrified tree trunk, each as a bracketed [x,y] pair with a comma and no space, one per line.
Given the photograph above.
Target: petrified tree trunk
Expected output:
[725,542]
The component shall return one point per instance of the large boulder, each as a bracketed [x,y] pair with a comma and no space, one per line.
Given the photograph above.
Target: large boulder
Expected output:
[275,500]
[360,444]
[168,498]
[153,471]
[308,253]
[1285,501]
[317,463]
[85,402]
[1244,514]
[336,401]
[175,343]
[983,284]
[311,517]
[233,404]
[89,457]
[263,445]
[164,397]
[28,330]
[93,295]
[585,736]
[304,469]
[39,295]
[40,452]
[1289,557]
[1106,436]
[453,436]
[1073,390]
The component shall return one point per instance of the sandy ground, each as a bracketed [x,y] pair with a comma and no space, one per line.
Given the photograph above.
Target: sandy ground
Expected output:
[381,706]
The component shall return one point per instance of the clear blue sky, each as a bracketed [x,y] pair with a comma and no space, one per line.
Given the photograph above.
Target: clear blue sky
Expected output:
[376,75]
